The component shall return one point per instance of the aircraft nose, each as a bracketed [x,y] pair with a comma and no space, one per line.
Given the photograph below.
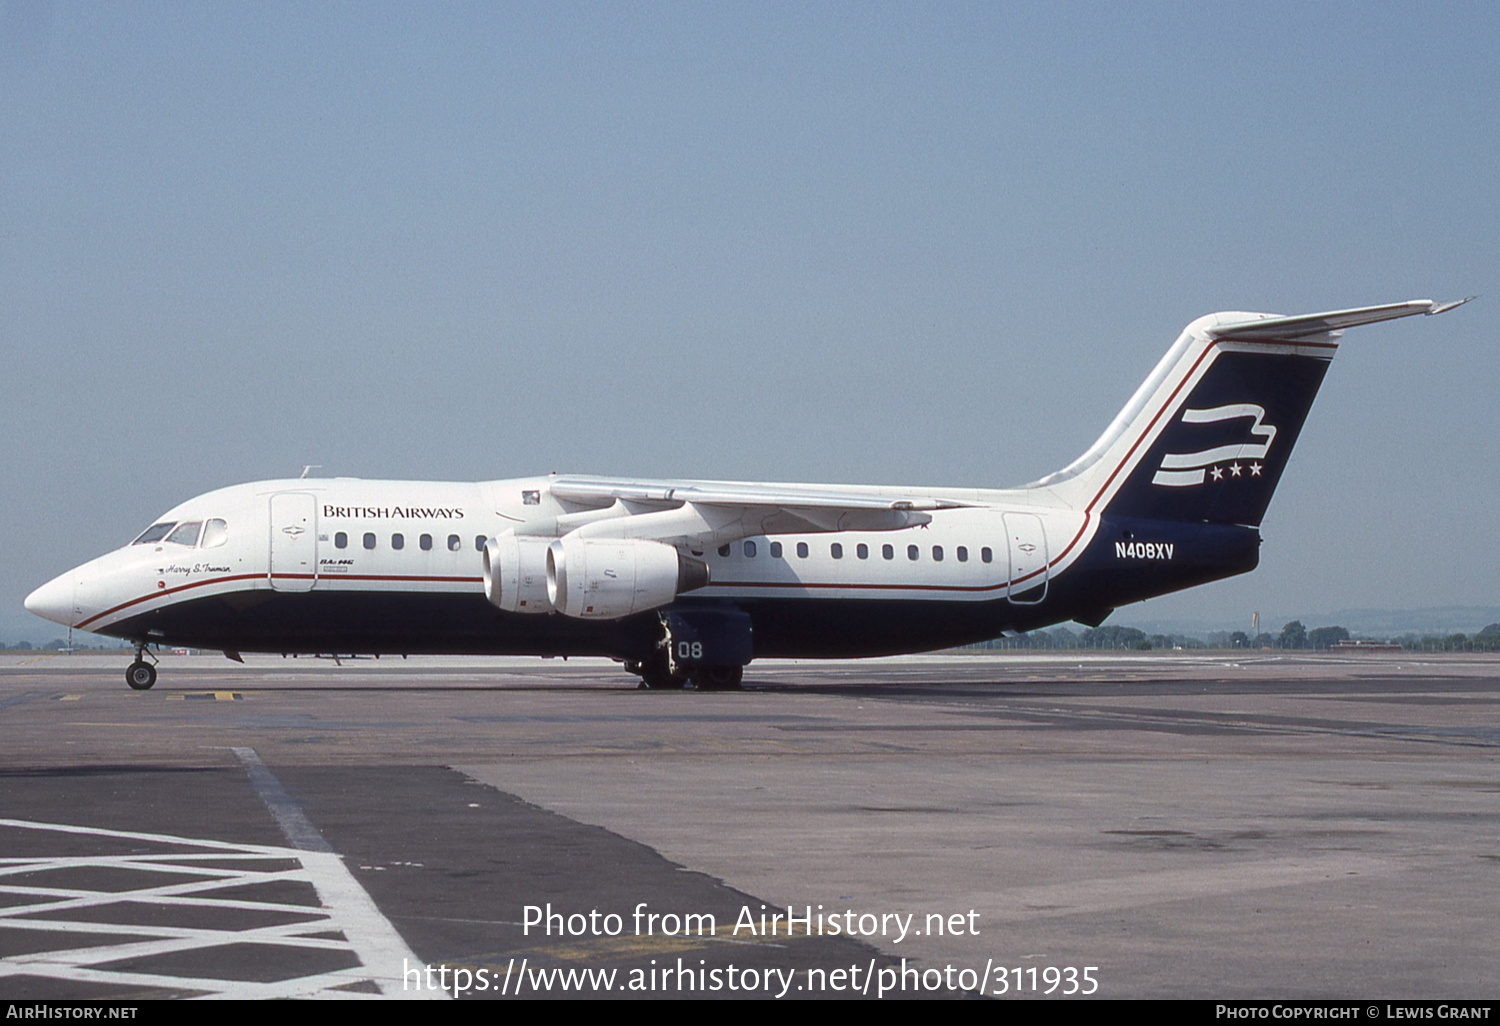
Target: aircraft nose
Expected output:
[53,601]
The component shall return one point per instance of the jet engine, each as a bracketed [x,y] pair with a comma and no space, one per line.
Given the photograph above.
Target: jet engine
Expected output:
[515,573]
[605,578]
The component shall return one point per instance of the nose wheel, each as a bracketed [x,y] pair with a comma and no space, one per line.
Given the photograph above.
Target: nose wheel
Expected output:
[140,675]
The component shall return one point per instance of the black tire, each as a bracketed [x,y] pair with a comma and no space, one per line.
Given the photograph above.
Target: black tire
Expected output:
[663,681]
[718,678]
[140,676]
[654,675]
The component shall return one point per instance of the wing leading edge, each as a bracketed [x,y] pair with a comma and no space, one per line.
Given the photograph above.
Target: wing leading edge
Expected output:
[712,512]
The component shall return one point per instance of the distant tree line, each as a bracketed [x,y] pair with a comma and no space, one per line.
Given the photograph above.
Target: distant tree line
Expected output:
[1487,640]
[1097,638]
[1293,636]
[57,645]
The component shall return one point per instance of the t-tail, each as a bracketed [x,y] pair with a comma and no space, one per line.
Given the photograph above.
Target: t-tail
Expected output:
[1206,436]
[1174,490]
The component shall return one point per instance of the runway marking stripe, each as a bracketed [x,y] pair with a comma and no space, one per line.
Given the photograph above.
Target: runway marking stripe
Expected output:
[1138,890]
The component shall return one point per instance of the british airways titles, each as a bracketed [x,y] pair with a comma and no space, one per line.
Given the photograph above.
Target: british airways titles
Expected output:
[392,512]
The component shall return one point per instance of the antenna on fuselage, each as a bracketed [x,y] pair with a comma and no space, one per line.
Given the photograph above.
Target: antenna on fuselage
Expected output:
[309,469]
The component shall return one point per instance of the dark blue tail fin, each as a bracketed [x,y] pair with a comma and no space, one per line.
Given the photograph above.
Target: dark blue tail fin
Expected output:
[1205,439]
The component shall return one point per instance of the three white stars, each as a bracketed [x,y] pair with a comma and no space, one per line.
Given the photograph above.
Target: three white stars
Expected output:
[1235,470]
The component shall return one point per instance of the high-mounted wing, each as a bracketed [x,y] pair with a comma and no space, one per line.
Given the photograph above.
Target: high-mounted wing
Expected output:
[713,512]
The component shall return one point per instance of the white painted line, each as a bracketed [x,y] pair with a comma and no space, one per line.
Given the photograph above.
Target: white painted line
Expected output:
[289,815]
[342,908]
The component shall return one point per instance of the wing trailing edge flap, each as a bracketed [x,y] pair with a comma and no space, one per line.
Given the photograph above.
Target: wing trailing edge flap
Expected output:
[719,513]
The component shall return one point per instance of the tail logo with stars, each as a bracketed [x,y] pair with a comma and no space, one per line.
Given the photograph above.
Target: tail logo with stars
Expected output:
[1184,470]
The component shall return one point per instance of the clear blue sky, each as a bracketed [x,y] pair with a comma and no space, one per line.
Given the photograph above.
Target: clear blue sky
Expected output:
[871,243]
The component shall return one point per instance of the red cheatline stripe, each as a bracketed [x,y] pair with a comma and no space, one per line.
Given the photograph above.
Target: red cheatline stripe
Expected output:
[167,591]
[280,577]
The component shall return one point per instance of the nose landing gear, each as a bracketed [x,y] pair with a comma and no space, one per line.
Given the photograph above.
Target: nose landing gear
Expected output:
[140,675]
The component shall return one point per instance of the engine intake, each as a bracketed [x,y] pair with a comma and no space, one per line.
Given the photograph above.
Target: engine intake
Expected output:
[515,573]
[605,579]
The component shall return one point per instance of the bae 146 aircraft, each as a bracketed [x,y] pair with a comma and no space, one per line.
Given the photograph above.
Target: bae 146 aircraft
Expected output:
[688,581]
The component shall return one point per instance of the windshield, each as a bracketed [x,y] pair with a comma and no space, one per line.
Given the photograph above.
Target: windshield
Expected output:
[215,533]
[155,533]
[186,533]
[206,534]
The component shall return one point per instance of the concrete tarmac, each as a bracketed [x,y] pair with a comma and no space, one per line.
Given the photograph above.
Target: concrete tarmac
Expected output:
[1156,825]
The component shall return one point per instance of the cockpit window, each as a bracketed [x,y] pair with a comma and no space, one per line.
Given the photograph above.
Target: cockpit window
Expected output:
[155,533]
[186,533]
[215,533]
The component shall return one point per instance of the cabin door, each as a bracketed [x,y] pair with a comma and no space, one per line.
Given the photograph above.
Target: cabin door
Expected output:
[294,541]
[1027,542]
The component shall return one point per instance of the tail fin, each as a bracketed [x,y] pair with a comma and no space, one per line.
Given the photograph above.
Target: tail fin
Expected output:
[1206,436]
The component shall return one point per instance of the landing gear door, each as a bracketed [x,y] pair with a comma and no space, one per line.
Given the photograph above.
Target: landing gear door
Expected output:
[1027,541]
[294,541]
[707,637]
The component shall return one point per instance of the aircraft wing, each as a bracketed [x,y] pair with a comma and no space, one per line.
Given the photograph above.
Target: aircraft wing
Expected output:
[720,511]
[1270,329]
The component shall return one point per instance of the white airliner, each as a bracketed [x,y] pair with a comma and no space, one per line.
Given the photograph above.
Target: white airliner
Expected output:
[688,581]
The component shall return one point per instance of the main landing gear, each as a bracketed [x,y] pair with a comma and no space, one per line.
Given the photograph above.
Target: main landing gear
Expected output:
[717,678]
[706,647]
[657,676]
[140,675]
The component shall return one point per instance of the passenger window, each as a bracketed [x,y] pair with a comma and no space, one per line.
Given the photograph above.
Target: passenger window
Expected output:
[479,543]
[215,533]
[836,550]
[862,550]
[986,555]
[398,541]
[937,553]
[802,550]
[724,549]
[186,533]
[963,554]
[888,551]
[369,539]
[750,549]
[455,543]
[425,542]
[155,533]
[912,552]
[776,550]
[341,540]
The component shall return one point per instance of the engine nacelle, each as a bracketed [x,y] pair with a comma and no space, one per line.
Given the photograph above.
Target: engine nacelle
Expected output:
[515,573]
[607,578]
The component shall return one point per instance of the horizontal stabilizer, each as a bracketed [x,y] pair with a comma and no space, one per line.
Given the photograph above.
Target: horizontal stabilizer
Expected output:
[1270,329]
